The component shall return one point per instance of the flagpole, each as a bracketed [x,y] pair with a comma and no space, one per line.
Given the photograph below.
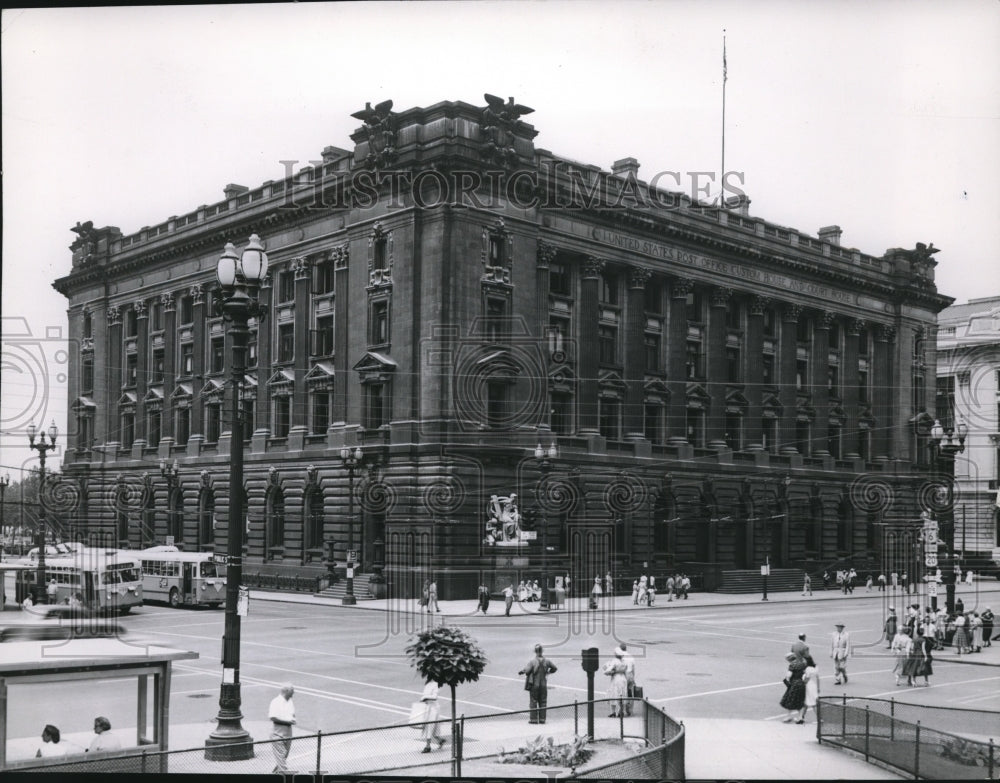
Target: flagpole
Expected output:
[722,173]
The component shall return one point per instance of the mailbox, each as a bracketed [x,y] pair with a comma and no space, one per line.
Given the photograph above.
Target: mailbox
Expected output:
[591,660]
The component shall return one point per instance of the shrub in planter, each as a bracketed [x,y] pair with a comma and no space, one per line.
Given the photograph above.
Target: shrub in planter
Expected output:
[545,753]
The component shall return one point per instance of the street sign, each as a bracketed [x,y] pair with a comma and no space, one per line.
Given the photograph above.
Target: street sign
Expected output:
[932,588]
[350,573]
[243,602]
[170,540]
[352,556]
[220,559]
[931,561]
[765,570]
[529,535]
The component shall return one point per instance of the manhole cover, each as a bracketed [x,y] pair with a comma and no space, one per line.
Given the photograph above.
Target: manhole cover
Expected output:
[199,695]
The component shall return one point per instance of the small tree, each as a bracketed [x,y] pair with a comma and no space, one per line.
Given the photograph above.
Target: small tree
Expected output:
[448,656]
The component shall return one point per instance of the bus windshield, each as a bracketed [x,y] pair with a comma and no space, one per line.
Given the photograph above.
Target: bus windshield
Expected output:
[122,573]
[208,569]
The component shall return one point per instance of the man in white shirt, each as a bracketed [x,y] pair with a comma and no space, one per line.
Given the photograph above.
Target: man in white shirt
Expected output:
[104,740]
[840,649]
[282,715]
[629,662]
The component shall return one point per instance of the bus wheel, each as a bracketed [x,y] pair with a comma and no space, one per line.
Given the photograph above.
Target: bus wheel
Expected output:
[124,609]
[175,598]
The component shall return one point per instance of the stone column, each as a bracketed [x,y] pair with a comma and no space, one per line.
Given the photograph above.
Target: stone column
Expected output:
[716,370]
[850,380]
[882,375]
[545,254]
[197,381]
[635,352]
[167,434]
[142,373]
[341,261]
[300,400]
[755,373]
[113,374]
[677,329]
[787,392]
[820,383]
[265,328]
[589,360]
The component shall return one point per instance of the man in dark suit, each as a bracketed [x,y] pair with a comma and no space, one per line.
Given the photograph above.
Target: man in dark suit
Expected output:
[537,671]
[801,649]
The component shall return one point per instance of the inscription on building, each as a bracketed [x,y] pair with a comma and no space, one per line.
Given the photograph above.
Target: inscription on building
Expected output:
[727,268]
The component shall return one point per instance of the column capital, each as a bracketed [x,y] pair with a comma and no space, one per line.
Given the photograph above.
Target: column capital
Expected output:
[855,326]
[885,333]
[197,293]
[545,255]
[302,267]
[759,304]
[593,266]
[721,296]
[114,315]
[791,313]
[825,319]
[680,287]
[638,277]
[167,300]
[141,310]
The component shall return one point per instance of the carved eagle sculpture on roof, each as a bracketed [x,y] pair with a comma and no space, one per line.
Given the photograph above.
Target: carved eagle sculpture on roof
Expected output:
[373,116]
[508,112]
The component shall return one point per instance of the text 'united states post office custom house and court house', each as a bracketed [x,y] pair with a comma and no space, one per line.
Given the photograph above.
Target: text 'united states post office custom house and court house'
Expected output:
[720,390]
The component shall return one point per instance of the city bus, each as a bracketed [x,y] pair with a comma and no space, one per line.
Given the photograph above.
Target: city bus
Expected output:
[182,578]
[107,580]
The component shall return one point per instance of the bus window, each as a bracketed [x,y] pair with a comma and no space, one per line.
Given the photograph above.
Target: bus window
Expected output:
[208,569]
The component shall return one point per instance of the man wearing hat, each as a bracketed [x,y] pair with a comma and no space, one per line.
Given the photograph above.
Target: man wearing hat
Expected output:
[801,650]
[891,623]
[840,648]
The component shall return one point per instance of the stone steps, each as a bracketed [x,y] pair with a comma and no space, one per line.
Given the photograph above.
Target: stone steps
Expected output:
[339,589]
[750,581]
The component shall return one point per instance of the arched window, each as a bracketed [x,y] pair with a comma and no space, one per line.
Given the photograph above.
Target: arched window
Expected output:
[314,518]
[275,518]
[175,515]
[206,517]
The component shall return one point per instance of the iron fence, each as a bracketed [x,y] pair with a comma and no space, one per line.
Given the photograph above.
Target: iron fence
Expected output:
[909,737]
[399,747]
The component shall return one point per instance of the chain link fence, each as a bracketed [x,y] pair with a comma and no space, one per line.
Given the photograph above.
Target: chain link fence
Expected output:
[645,743]
[909,737]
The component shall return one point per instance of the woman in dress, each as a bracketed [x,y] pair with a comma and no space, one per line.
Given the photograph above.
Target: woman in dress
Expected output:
[484,598]
[961,638]
[811,678]
[432,730]
[522,592]
[901,644]
[976,632]
[917,662]
[635,592]
[794,699]
[595,593]
[616,669]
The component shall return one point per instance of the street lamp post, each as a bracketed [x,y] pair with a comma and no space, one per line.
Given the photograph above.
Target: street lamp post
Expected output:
[545,460]
[172,473]
[351,460]
[240,278]
[4,483]
[948,443]
[42,448]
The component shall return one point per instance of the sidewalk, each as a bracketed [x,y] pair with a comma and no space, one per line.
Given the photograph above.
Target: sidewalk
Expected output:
[979,594]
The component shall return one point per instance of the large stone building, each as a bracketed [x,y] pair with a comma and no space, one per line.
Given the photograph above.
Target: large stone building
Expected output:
[968,391]
[448,296]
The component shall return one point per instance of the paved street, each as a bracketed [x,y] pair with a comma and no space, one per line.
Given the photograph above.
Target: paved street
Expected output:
[710,656]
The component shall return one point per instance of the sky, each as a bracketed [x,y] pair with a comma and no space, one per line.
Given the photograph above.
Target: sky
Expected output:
[880,117]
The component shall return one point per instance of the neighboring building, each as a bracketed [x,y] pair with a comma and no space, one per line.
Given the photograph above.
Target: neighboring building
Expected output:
[448,296]
[968,389]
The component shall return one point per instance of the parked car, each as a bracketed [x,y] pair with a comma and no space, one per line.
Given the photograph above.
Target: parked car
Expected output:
[58,622]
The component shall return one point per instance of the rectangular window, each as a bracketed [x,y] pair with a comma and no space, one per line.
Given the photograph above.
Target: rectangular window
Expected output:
[213,421]
[323,277]
[252,350]
[693,360]
[131,322]
[694,306]
[156,371]
[863,386]
[217,360]
[834,336]
[864,445]
[282,411]
[186,309]
[767,370]
[734,372]
[496,311]
[153,421]
[833,442]
[322,337]
[88,326]
[801,374]
[381,245]
[320,412]
[607,336]
[559,279]
[833,379]
[286,286]
[770,324]
[379,323]
[695,427]
[496,251]
[156,316]
[85,426]
[286,342]
[87,376]
[374,406]
[187,358]
[652,342]
[608,291]
[863,342]
[734,315]
[802,437]
[918,392]
[609,417]
[653,298]
[561,413]
[131,368]
[802,332]
[128,430]
[496,403]
[558,333]
[183,426]
[734,431]
[652,425]
[247,417]
[944,401]
[769,431]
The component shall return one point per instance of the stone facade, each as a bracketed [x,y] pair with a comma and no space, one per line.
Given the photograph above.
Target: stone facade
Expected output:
[447,295]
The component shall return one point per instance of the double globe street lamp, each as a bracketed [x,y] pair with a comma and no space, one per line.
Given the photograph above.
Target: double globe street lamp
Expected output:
[351,460]
[42,448]
[239,277]
[545,464]
[947,443]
